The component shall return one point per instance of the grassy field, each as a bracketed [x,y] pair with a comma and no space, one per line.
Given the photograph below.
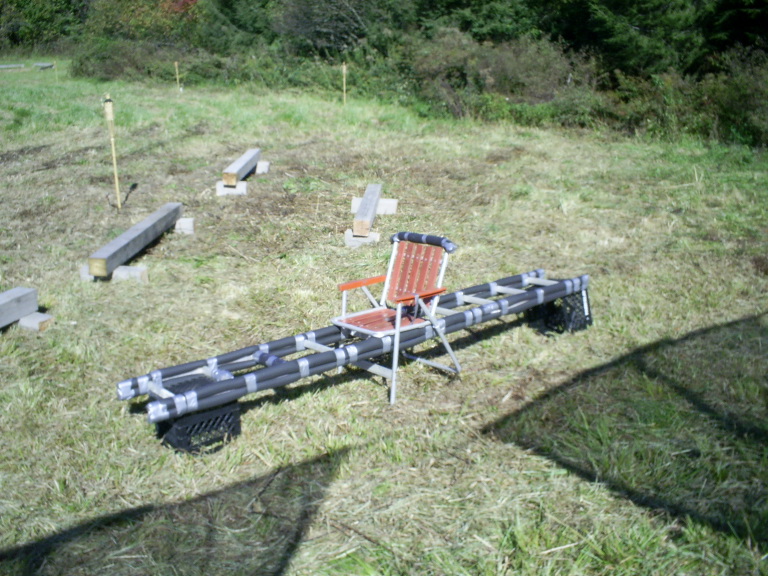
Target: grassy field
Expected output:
[639,446]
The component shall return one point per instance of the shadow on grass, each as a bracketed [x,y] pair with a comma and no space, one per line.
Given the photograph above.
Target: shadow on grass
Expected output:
[250,528]
[679,426]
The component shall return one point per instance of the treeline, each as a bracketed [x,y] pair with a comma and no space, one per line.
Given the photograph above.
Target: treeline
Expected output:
[669,68]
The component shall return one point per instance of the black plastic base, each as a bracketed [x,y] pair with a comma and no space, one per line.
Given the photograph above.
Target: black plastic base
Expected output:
[568,314]
[203,431]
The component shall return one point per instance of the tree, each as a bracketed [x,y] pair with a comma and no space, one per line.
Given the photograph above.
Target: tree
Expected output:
[640,37]
[730,23]
[31,22]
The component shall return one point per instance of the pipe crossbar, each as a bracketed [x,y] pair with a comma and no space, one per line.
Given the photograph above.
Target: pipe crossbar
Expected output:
[204,384]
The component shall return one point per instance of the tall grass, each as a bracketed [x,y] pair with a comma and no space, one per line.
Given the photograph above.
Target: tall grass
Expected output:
[636,447]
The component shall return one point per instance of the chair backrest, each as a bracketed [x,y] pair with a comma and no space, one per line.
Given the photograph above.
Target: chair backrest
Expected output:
[417,264]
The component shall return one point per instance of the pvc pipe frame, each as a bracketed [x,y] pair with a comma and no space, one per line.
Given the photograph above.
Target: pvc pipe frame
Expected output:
[330,335]
[281,372]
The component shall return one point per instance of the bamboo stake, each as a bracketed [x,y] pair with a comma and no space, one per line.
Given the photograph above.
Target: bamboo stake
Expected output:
[178,81]
[344,81]
[110,115]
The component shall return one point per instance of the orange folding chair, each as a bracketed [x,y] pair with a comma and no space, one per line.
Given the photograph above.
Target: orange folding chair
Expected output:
[409,299]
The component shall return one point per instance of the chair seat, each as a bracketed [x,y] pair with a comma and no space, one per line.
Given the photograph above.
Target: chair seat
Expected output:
[377,322]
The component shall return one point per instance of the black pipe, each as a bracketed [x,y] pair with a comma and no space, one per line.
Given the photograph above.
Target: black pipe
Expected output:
[290,371]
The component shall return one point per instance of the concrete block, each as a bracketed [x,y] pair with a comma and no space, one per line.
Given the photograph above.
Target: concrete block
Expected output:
[241,189]
[37,321]
[138,273]
[262,167]
[352,241]
[85,273]
[185,226]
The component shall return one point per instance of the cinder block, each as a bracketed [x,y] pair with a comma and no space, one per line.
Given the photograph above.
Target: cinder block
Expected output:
[185,226]
[352,241]
[138,273]
[37,321]
[262,167]
[85,273]
[241,189]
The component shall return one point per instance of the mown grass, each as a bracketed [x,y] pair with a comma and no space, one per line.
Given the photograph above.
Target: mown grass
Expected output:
[636,447]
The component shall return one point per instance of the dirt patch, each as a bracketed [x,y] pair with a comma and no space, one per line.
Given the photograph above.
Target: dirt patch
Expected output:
[15,155]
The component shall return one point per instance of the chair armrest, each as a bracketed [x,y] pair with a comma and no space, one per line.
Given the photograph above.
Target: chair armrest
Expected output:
[426,294]
[360,283]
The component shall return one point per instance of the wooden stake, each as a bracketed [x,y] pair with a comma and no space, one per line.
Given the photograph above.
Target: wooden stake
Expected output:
[109,112]
[178,81]
[344,81]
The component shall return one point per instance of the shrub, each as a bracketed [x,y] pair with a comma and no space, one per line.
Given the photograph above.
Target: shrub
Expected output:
[738,94]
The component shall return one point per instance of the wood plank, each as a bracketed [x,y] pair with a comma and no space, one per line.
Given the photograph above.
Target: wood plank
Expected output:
[120,250]
[366,213]
[386,206]
[241,167]
[17,303]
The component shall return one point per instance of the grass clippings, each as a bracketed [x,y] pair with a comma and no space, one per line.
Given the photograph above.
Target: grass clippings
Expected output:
[635,447]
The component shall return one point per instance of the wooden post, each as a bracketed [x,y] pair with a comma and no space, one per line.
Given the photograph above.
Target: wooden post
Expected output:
[178,81]
[131,242]
[17,303]
[109,112]
[241,167]
[366,213]
[344,81]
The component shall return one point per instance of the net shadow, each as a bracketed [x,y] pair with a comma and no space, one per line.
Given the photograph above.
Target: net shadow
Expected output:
[254,527]
[679,426]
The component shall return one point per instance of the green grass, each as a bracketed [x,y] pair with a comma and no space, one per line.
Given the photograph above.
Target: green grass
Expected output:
[636,447]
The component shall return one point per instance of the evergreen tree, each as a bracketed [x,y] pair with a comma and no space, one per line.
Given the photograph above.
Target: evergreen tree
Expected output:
[729,23]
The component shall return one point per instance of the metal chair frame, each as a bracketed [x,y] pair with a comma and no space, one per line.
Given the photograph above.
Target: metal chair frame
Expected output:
[410,297]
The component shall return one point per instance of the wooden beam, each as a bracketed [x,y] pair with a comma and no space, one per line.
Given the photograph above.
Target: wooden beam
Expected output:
[366,213]
[104,261]
[386,206]
[241,167]
[17,303]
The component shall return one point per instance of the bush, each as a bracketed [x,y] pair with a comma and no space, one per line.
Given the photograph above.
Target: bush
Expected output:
[738,96]
[528,81]
[729,106]
[106,59]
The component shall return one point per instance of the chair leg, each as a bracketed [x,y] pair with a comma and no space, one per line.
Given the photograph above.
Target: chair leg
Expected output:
[395,355]
[441,334]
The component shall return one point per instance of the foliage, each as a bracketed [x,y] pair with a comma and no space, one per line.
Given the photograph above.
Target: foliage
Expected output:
[147,20]
[738,94]
[728,106]
[518,80]
[35,22]
[652,67]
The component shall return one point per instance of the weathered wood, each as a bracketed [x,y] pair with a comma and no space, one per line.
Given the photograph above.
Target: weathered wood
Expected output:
[17,303]
[385,207]
[366,213]
[43,65]
[10,66]
[241,167]
[104,261]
